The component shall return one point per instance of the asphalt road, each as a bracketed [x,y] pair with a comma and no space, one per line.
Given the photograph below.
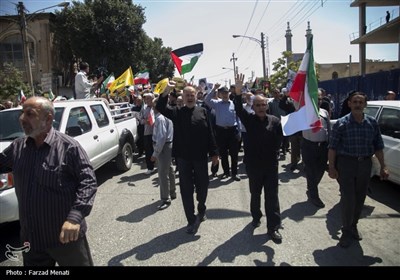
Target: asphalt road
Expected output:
[126,229]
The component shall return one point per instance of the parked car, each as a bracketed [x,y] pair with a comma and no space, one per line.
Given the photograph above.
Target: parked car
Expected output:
[387,113]
[106,132]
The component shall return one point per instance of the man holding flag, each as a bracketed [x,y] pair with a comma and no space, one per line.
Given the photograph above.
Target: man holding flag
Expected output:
[314,123]
[84,87]
[304,92]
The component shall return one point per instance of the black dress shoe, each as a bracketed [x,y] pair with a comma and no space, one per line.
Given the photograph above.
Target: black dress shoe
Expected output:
[164,205]
[173,196]
[192,228]
[275,235]
[293,167]
[201,217]
[224,176]
[317,202]
[236,178]
[345,240]
[356,234]
[255,223]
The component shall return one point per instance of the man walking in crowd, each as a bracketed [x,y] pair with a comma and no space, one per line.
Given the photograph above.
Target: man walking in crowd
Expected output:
[194,139]
[147,120]
[83,87]
[264,135]
[162,144]
[354,139]
[314,151]
[55,186]
[390,95]
[227,132]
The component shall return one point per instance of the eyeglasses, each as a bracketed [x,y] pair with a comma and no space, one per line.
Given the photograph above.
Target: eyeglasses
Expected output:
[260,105]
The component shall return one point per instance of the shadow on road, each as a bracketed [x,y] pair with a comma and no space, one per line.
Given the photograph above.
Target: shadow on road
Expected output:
[219,213]
[138,215]
[160,244]
[298,211]
[242,243]
[337,256]
[386,193]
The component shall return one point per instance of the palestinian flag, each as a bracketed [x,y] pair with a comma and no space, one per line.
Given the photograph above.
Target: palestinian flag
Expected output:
[142,77]
[186,58]
[304,92]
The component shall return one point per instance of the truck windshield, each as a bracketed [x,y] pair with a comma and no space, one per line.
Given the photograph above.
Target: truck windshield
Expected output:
[10,128]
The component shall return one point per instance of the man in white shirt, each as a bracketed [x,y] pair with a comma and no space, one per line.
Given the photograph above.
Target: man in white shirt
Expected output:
[83,86]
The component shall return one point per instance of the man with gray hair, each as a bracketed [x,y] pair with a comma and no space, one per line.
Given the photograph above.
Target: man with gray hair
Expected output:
[55,186]
[264,134]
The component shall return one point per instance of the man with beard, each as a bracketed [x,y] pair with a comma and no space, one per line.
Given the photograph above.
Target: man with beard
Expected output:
[55,186]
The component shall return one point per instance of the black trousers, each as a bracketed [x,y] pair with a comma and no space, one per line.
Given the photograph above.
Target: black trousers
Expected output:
[354,178]
[264,178]
[71,254]
[315,157]
[193,175]
[148,149]
[228,144]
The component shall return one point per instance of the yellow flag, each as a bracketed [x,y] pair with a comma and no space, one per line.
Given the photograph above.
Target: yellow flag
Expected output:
[126,79]
[179,83]
[161,85]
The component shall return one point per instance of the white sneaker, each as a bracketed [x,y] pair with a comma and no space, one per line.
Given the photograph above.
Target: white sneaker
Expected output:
[148,172]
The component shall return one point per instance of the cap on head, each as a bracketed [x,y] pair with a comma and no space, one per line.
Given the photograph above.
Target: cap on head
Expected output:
[223,89]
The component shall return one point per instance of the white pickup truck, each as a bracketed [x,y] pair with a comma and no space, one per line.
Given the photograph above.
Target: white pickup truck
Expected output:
[106,131]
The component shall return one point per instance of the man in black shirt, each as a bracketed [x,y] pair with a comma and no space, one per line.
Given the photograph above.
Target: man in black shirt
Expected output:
[264,135]
[55,185]
[193,140]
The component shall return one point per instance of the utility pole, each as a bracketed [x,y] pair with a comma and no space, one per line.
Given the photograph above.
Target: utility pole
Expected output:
[25,44]
[233,59]
[263,56]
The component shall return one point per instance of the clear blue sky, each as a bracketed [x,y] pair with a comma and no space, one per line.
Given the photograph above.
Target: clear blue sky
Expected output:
[186,22]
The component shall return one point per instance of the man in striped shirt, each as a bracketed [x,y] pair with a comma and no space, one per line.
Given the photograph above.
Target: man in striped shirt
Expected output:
[55,185]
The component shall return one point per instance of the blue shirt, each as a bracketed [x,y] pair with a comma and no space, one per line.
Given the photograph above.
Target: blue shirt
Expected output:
[163,132]
[350,138]
[225,114]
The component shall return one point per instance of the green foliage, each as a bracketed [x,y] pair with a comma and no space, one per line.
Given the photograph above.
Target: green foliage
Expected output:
[109,33]
[280,77]
[278,80]
[11,83]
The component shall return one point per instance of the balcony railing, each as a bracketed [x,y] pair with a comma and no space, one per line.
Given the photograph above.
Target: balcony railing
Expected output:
[375,24]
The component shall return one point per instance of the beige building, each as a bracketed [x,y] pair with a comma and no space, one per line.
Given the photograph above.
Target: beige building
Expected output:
[40,43]
[331,71]
[386,33]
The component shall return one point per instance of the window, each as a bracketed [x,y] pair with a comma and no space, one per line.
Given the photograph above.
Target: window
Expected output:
[389,122]
[11,51]
[372,111]
[100,115]
[78,122]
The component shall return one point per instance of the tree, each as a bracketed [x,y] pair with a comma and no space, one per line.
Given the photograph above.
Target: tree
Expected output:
[279,79]
[109,33]
[11,83]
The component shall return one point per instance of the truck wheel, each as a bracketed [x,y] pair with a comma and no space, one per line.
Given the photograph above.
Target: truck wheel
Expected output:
[125,158]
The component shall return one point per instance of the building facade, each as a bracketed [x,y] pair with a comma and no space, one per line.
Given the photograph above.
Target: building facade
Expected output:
[40,44]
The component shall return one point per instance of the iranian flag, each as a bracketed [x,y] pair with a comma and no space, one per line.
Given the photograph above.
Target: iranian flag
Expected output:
[304,92]
[106,83]
[186,58]
[142,77]
[21,97]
